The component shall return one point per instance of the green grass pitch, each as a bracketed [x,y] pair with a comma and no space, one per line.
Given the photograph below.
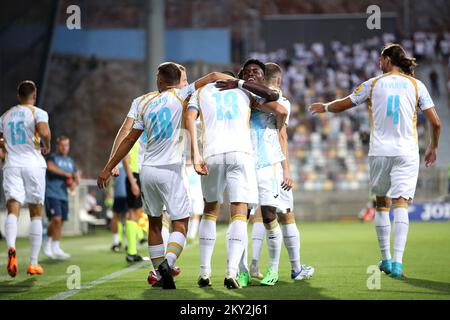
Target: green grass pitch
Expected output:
[341,252]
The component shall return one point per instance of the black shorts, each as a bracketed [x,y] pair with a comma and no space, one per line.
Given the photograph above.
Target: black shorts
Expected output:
[120,205]
[57,208]
[132,201]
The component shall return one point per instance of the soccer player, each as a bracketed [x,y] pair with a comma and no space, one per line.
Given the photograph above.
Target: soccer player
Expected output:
[394,100]
[161,175]
[61,176]
[227,161]
[21,129]
[291,235]
[120,208]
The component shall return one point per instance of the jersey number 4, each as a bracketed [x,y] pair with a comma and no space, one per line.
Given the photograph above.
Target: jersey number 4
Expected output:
[18,135]
[393,104]
[226,105]
[161,124]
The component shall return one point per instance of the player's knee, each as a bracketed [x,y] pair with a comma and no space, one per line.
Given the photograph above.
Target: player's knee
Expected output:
[268,214]
[383,202]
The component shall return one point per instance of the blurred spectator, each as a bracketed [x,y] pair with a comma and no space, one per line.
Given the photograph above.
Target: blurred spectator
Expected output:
[91,205]
[434,79]
[61,176]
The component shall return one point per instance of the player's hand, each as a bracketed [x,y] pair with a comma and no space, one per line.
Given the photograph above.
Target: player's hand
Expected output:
[430,156]
[317,108]
[227,84]
[200,166]
[115,171]
[45,151]
[103,178]
[135,190]
[287,182]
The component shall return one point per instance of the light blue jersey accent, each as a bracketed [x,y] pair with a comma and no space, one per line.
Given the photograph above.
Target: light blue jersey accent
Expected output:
[392,108]
[266,143]
[226,105]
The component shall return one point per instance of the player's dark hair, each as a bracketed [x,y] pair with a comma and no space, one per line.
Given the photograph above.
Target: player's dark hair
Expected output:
[170,72]
[241,73]
[26,88]
[399,58]
[272,71]
[257,62]
[230,73]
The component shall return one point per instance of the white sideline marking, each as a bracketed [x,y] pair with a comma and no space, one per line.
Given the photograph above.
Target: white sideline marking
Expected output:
[69,293]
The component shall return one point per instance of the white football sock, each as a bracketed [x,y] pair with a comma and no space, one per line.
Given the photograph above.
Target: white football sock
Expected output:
[243,263]
[165,235]
[193,228]
[11,230]
[236,242]
[274,241]
[291,237]
[115,238]
[401,226]
[207,234]
[383,229]
[156,254]
[35,239]
[258,235]
[175,247]
[55,246]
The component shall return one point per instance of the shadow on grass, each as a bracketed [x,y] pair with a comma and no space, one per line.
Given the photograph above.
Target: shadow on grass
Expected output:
[283,290]
[444,287]
[11,286]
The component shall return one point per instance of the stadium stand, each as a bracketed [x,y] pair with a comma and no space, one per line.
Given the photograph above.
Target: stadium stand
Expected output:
[329,152]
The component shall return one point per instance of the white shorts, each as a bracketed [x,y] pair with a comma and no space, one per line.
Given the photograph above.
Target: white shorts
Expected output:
[286,201]
[25,185]
[164,186]
[235,170]
[269,185]
[194,185]
[270,191]
[394,177]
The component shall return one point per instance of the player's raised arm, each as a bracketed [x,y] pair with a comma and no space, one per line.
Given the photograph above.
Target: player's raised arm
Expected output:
[255,88]
[335,106]
[359,95]
[435,130]
[212,77]
[123,149]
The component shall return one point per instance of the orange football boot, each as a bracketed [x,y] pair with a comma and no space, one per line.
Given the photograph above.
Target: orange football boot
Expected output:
[12,262]
[35,269]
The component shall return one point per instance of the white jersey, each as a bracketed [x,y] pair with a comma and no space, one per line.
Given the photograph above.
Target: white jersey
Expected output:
[160,117]
[133,114]
[393,100]
[265,136]
[225,117]
[21,139]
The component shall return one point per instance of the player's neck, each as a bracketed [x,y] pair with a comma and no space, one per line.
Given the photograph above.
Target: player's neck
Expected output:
[395,69]
[26,103]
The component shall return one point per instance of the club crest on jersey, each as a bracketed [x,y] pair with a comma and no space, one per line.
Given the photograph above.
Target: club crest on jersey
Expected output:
[358,90]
